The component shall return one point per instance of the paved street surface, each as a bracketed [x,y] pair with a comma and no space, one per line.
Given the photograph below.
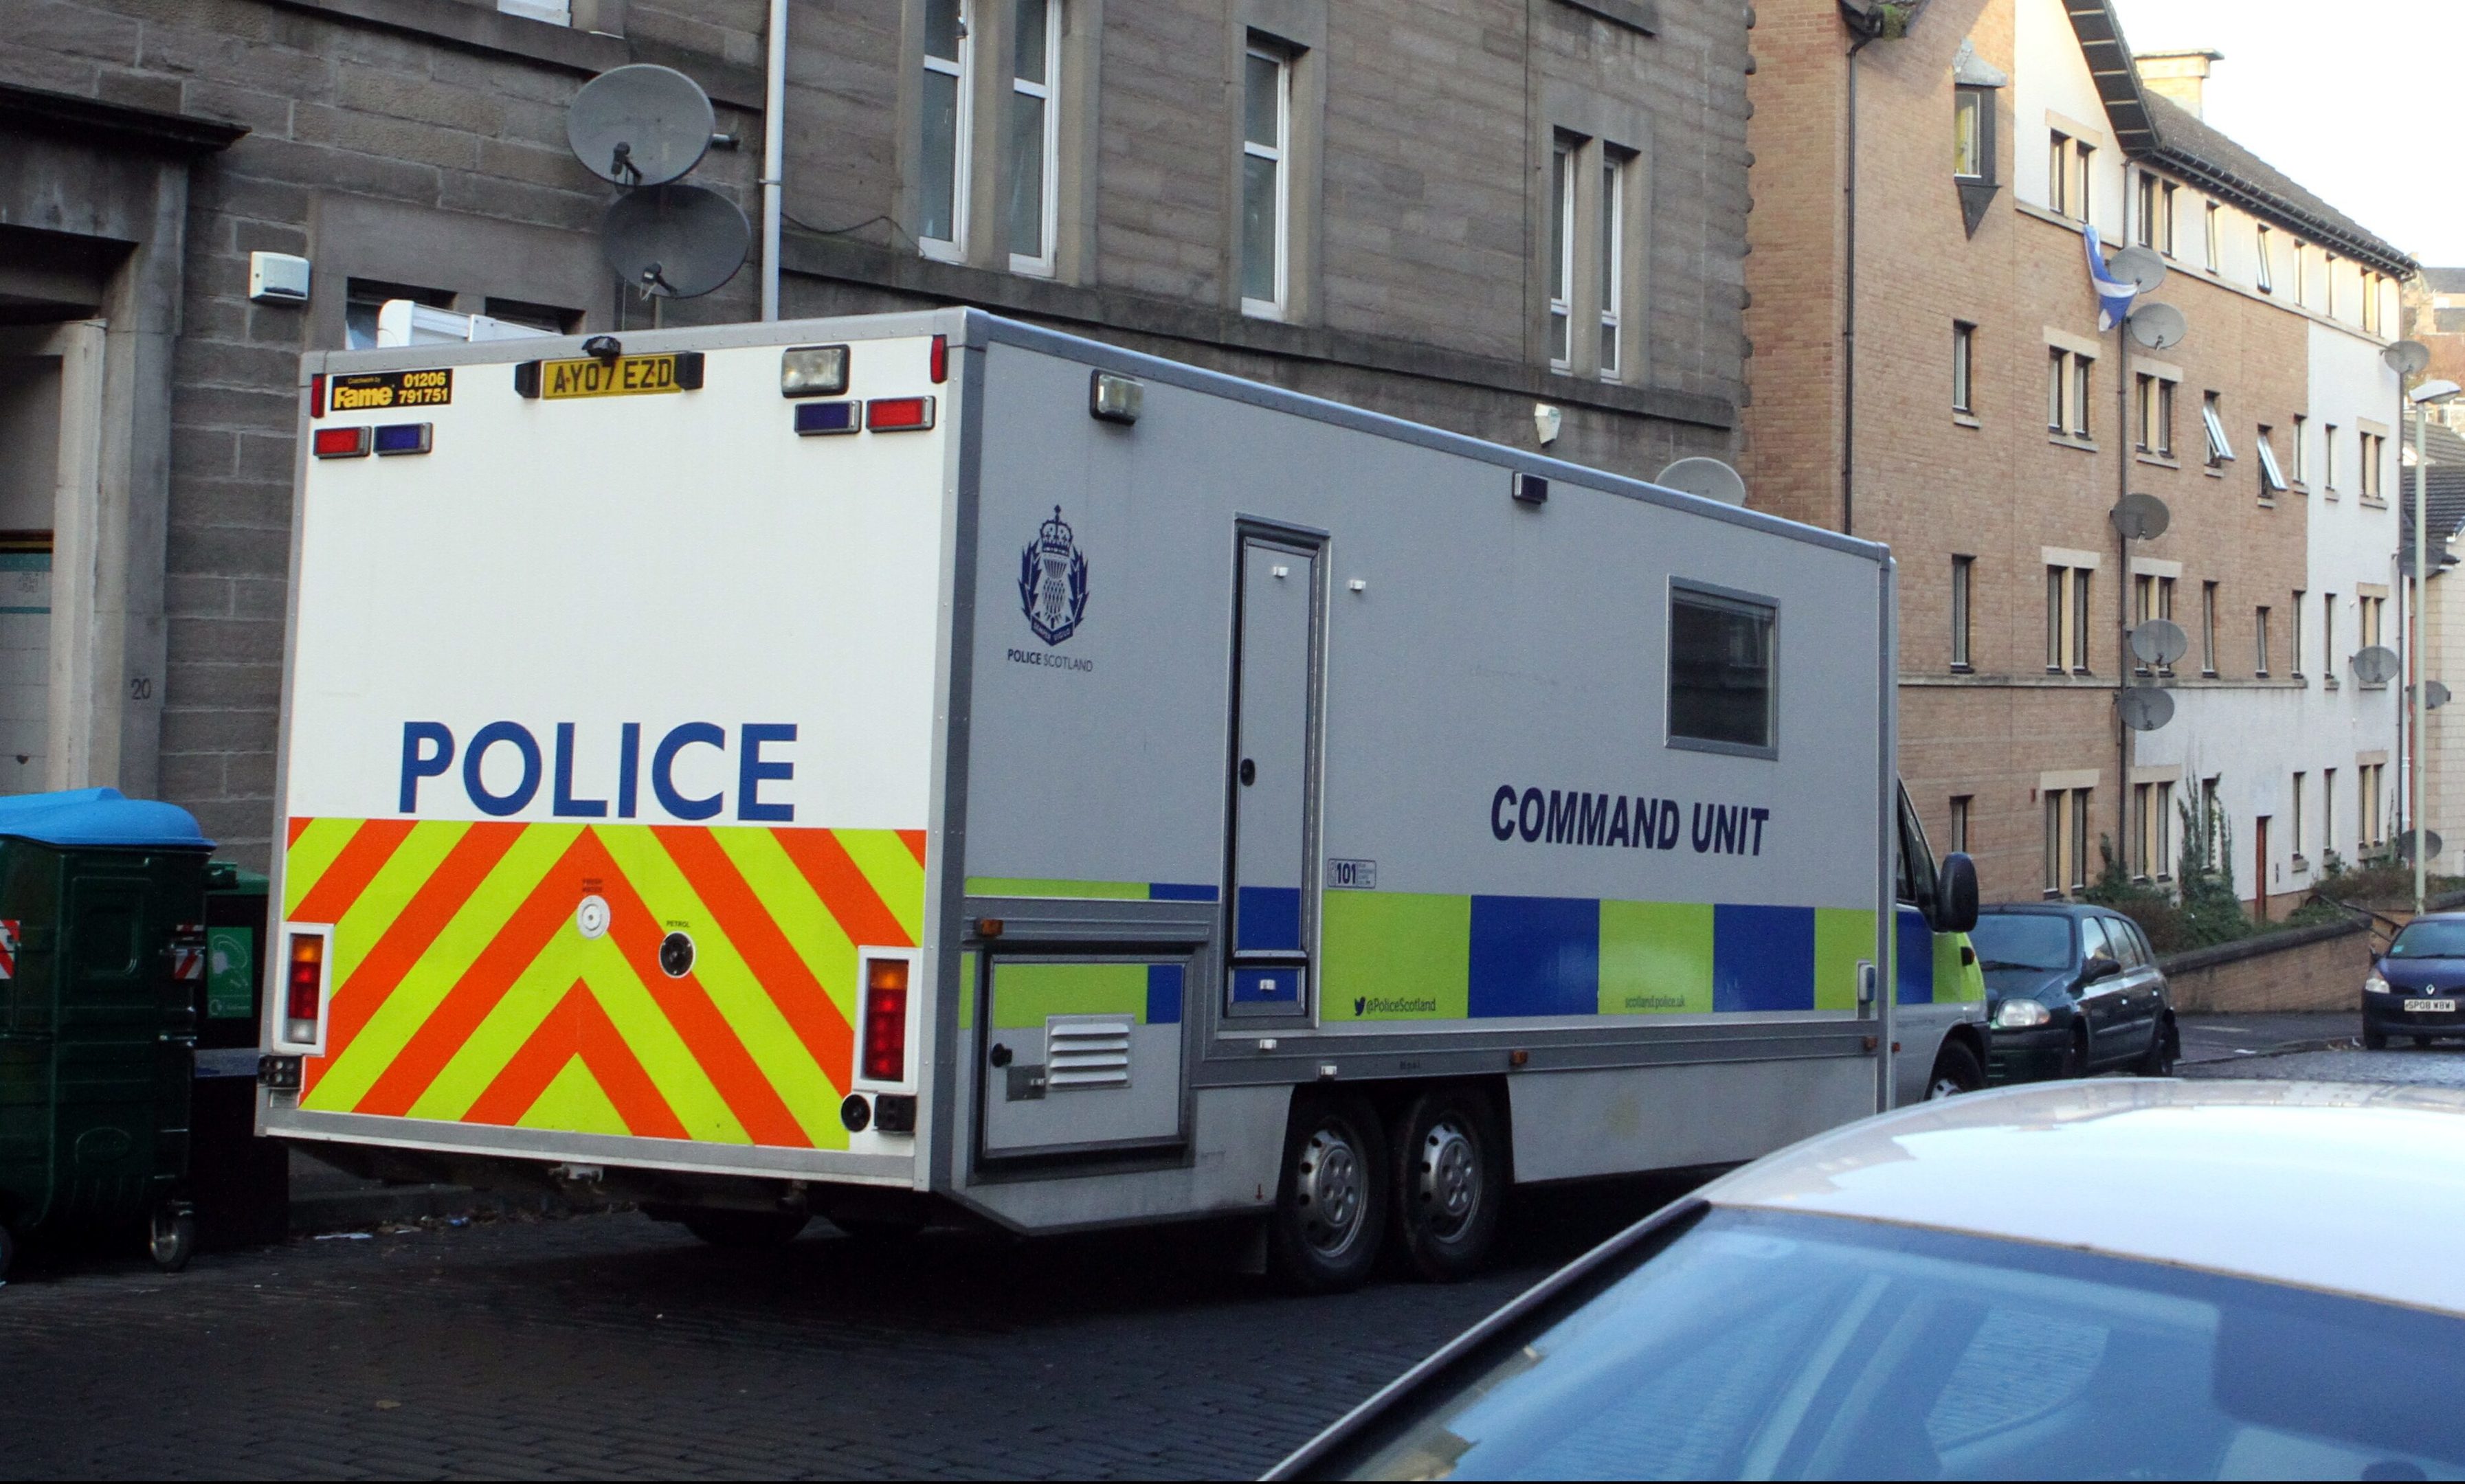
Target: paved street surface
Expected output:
[2441,1064]
[614,1347]
[2227,1037]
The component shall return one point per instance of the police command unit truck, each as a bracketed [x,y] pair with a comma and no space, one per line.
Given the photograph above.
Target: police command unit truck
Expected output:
[923,766]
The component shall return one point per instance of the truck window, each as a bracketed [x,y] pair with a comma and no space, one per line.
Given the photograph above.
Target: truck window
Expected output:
[1917,874]
[1721,671]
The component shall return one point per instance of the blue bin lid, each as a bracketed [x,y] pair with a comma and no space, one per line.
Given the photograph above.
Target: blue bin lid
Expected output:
[100,817]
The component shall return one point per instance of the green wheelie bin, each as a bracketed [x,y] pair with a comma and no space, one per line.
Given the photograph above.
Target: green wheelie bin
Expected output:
[102,941]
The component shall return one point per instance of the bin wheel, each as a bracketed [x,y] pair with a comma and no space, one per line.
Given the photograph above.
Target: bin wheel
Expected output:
[1449,1183]
[173,1239]
[1329,1218]
[746,1229]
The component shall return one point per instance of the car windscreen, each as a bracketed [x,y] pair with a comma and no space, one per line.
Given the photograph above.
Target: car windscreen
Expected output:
[2430,940]
[1773,1345]
[2022,939]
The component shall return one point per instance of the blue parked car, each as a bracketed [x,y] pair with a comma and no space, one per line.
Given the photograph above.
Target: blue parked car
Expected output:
[2416,987]
[2071,990]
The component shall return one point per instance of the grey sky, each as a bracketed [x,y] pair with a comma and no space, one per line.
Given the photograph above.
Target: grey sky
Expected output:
[2329,93]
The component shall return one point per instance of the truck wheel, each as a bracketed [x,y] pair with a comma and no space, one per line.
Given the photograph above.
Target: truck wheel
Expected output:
[1329,1219]
[746,1229]
[1955,1071]
[172,1239]
[1449,1183]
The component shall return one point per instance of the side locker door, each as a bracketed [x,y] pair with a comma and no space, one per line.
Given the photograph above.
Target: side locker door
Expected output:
[1274,782]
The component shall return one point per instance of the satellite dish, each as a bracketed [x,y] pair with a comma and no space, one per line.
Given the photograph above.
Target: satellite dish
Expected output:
[1708,477]
[2140,265]
[2408,358]
[2158,326]
[2436,694]
[2144,707]
[2159,641]
[639,125]
[674,241]
[2376,665]
[2141,517]
[2431,845]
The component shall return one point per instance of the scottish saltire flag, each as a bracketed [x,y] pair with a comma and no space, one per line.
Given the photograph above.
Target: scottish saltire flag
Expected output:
[2114,296]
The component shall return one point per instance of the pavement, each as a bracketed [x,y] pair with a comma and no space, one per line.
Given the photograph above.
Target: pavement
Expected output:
[612,1346]
[2211,1039]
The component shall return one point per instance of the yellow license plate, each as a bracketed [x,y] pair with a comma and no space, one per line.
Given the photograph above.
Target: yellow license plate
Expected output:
[625,376]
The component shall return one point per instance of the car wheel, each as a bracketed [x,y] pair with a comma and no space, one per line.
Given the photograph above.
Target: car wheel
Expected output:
[1329,1216]
[2374,1039]
[2158,1061]
[1955,1071]
[1449,1183]
[745,1231]
[172,1239]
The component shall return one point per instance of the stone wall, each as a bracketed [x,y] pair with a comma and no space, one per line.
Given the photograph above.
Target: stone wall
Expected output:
[2312,968]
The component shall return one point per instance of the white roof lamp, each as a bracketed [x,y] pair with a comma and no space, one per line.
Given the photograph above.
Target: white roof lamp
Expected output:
[2433,391]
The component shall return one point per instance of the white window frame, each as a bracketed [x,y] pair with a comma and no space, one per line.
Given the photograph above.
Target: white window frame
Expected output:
[1613,263]
[2220,446]
[1964,368]
[2328,458]
[1564,151]
[1049,210]
[1280,152]
[555,13]
[2265,280]
[954,247]
[2215,224]
[2272,477]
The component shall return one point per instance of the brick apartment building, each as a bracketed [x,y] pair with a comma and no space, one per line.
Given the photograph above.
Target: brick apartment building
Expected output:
[1448,210]
[1944,385]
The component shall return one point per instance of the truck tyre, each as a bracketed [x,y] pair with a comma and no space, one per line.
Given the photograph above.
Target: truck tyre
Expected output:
[1329,1218]
[1449,1183]
[171,1238]
[1955,1071]
[746,1229]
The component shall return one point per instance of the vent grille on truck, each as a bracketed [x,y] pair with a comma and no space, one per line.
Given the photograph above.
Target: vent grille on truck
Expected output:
[1087,1051]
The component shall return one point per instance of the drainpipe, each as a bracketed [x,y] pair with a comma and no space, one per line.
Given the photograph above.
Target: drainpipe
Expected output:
[774,149]
[1849,311]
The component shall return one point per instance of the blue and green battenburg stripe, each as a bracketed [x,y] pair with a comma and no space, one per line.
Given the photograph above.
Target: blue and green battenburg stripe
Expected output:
[1439,956]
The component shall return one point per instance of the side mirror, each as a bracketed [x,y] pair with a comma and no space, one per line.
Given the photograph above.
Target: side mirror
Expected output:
[2098,969]
[1955,908]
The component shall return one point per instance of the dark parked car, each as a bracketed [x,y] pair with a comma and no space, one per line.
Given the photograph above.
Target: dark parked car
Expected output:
[2071,990]
[2415,988]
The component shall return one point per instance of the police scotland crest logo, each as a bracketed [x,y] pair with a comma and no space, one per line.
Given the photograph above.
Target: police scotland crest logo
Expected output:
[1053,582]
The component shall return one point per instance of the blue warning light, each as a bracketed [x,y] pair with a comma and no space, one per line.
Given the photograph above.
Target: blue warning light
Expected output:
[815,418]
[404,438]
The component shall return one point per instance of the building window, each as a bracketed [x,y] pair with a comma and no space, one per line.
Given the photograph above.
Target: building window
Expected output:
[1034,134]
[2294,634]
[2165,610]
[2165,220]
[2302,447]
[2295,818]
[2220,448]
[2069,380]
[949,63]
[2059,173]
[1612,257]
[2208,630]
[2151,204]
[2374,446]
[2370,304]
[1958,836]
[2216,221]
[1964,362]
[1266,180]
[2301,273]
[2260,642]
[1964,572]
[2370,615]
[2165,832]
[2328,636]
[2267,280]
[2367,801]
[1562,250]
[2081,151]
[2328,285]
[2328,809]
[2067,619]
[2067,812]
[2328,458]
[2272,477]
[1972,133]
[2156,416]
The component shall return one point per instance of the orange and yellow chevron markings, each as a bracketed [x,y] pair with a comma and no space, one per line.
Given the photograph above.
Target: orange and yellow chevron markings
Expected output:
[465,991]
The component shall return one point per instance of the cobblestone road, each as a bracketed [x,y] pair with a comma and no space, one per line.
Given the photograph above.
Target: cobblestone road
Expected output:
[613,1346]
[2441,1064]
